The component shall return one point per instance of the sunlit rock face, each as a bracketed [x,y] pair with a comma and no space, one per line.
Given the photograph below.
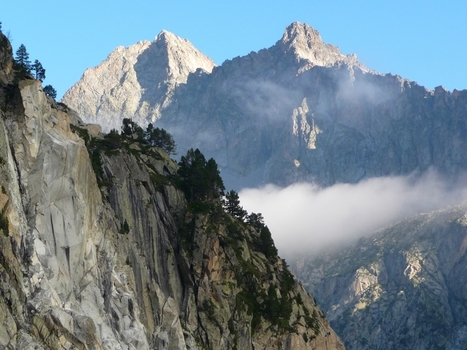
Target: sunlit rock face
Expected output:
[99,248]
[136,81]
[307,47]
[405,284]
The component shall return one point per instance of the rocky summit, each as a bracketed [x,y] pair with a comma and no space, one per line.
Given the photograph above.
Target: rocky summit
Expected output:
[136,82]
[101,247]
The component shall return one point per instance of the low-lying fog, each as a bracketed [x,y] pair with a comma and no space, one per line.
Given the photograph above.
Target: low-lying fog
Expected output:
[306,218]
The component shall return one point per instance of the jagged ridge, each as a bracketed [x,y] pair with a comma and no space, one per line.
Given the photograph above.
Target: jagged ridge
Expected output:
[354,123]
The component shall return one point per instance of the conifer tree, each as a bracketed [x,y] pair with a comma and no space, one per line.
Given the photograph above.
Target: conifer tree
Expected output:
[50,91]
[38,70]
[232,205]
[22,58]
[160,138]
[200,179]
[130,127]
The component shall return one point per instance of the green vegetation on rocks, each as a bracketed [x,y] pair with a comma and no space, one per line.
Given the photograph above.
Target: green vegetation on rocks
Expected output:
[3,224]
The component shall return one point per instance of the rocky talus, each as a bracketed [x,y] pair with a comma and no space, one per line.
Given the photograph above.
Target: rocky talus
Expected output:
[99,249]
[402,288]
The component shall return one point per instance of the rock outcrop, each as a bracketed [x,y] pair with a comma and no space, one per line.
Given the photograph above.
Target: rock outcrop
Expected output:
[401,288]
[136,81]
[305,44]
[99,249]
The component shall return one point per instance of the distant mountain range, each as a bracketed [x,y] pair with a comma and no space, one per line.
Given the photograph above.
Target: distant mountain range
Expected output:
[302,111]
[298,111]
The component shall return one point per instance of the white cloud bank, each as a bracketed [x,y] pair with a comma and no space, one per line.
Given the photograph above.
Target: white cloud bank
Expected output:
[306,218]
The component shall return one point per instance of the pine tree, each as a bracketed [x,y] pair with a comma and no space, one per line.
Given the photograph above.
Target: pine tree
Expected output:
[214,180]
[22,58]
[160,138]
[232,205]
[256,220]
[129,127]
[50,91]
[200,179]
[38,70]
[192,173]
[266,243]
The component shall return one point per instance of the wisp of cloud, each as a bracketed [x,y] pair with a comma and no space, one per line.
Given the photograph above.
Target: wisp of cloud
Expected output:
[306,218]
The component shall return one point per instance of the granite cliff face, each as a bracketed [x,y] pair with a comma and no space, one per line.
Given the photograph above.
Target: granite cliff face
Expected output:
[101,250]
[136,81]
[406,284]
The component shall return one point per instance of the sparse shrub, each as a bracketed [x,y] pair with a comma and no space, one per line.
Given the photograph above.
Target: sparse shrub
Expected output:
[112,140]
[199,207]
[125,228]
[96,162]
[83,133]
[208,308]
[4,224]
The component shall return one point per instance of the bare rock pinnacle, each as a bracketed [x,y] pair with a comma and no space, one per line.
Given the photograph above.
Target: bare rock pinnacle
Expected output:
[306,44]
[135,81]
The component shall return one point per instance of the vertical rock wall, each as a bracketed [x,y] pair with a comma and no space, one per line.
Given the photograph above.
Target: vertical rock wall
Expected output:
[119,260]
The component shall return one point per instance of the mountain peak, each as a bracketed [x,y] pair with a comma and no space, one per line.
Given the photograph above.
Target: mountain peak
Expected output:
[182,58]
[165,35]
[307,45]
[146,71]
[300,31]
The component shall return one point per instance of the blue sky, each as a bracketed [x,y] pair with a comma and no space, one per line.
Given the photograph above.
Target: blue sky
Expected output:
[425,41]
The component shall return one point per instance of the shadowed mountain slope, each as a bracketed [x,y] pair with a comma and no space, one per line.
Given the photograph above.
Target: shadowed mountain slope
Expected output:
[406,284]
[298,111]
